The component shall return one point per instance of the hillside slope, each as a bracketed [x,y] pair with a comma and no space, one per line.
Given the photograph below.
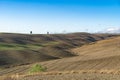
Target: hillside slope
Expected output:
[19,49]
[100,55]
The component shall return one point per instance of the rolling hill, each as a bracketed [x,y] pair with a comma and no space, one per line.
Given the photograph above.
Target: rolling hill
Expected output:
[20,49]
[100,55]
[60,53]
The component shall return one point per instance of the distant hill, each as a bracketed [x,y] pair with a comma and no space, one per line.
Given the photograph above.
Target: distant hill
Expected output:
[20,49]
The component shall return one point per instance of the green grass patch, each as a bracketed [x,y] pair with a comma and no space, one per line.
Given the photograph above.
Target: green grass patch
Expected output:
[37,68]
[5,46]
[13,46]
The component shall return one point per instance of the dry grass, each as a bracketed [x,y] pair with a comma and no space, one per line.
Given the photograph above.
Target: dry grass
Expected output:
[14,48]
[68,75]
[103,55]
[99,60]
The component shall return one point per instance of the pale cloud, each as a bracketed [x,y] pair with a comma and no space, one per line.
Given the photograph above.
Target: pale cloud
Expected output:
[112,30]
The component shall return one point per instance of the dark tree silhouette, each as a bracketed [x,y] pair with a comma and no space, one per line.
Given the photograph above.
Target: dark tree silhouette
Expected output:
[47,32]
[30,32]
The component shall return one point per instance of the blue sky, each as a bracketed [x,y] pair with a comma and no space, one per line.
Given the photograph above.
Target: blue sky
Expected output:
[56,16]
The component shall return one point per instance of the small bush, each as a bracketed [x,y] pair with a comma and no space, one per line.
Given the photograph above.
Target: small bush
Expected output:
[37,68]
